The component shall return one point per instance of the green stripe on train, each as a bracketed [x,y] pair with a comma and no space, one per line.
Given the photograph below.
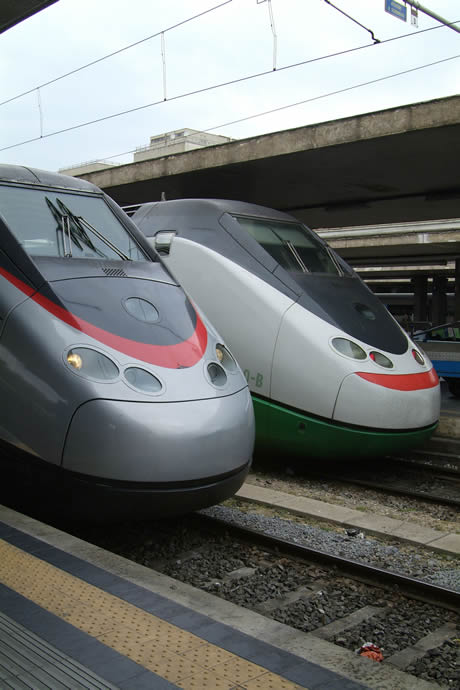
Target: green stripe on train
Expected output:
[278,428]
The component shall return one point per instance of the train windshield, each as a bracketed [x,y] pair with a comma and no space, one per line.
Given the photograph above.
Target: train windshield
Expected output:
[292,245]
[65,224]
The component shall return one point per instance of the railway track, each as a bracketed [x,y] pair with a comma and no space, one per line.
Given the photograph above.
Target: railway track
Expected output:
[409,477]
[407,586]
[427,476]
[413,624]
[447,464]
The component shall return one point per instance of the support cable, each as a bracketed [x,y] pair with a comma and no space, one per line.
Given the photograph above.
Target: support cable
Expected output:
[275,39]
[333,93]
[116,52]
[163,57]
[233,82]
[250,117]
[376,40]
[40,112]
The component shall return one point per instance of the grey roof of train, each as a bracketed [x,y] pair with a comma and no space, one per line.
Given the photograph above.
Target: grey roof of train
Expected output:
[211,208]
[23,174]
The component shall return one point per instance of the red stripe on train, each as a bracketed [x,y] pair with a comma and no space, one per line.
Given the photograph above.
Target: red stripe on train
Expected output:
[184,354]
[403,382]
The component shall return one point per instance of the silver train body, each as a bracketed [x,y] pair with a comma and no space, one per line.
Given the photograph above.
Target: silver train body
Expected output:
[331,372]
[117,394]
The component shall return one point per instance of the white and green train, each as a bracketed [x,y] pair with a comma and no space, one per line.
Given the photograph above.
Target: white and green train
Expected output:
[331,372]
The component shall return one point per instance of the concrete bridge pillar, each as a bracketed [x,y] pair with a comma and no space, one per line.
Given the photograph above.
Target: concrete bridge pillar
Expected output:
[439,300]
[419,285]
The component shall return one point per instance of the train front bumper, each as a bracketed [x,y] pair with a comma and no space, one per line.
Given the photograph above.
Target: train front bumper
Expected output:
[377,406]
[161,443]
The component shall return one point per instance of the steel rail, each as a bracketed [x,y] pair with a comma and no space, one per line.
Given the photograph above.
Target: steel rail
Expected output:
[433,464]
[389,488]
[405,585]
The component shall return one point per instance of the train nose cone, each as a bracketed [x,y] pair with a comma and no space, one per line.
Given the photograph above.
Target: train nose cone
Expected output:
[386,403]
[161,443]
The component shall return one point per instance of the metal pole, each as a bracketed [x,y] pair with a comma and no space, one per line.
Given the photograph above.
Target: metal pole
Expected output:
[457,290]
[432,14]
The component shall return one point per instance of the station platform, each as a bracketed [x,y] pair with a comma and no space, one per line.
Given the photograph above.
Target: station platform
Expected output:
[75,616]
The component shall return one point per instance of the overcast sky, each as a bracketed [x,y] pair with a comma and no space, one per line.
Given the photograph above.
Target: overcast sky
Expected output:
[230,42]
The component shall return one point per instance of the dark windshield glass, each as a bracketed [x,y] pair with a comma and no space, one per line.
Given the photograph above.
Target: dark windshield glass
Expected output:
[55,223]
[292,245]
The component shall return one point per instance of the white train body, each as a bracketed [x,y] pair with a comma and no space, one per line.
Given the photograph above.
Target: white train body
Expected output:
[282,327]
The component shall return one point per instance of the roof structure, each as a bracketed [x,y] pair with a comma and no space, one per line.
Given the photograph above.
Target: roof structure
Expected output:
[14,11]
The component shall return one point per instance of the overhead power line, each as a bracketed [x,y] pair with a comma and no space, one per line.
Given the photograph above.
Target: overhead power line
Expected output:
[334,93]
[231,83]
[115,52]
[250,117]
[303,102]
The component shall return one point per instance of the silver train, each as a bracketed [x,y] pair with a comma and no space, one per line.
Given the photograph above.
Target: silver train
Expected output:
[118,398]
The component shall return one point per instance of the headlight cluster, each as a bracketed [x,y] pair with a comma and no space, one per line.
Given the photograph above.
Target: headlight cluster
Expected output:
[354,351]
[217,371]
[225,358]
[350,349]
[94,365]
[142,380]
[381,359]
[418,357]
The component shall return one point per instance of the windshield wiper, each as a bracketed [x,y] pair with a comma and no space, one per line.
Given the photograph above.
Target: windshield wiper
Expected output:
[67,216]
[339,268]
[66,236]
[104,239]
[296,255]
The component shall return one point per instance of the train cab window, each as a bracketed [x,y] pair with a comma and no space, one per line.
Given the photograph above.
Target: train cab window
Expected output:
[291,245]
[66,224]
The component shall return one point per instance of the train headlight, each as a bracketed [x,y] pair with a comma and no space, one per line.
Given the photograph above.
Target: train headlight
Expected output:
[225,358]
[348,348]
[418,357]
[381,359]
[143,380]
[217,374]
[91,364]
[74,360]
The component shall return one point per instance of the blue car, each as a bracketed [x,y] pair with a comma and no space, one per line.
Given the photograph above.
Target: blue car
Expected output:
[442,345]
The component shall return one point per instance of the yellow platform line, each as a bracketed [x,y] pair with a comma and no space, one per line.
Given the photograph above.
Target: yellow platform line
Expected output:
[172,653]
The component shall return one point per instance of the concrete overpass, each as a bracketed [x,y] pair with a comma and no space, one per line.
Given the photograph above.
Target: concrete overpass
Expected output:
[398,167]
[390,166]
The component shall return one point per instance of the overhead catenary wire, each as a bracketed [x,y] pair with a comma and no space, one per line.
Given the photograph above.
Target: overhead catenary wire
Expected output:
[334,93]
[216,86]
[273,110]
[115,52]
[308,100]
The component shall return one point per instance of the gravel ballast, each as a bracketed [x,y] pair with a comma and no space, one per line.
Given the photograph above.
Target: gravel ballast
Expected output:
[351,544]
